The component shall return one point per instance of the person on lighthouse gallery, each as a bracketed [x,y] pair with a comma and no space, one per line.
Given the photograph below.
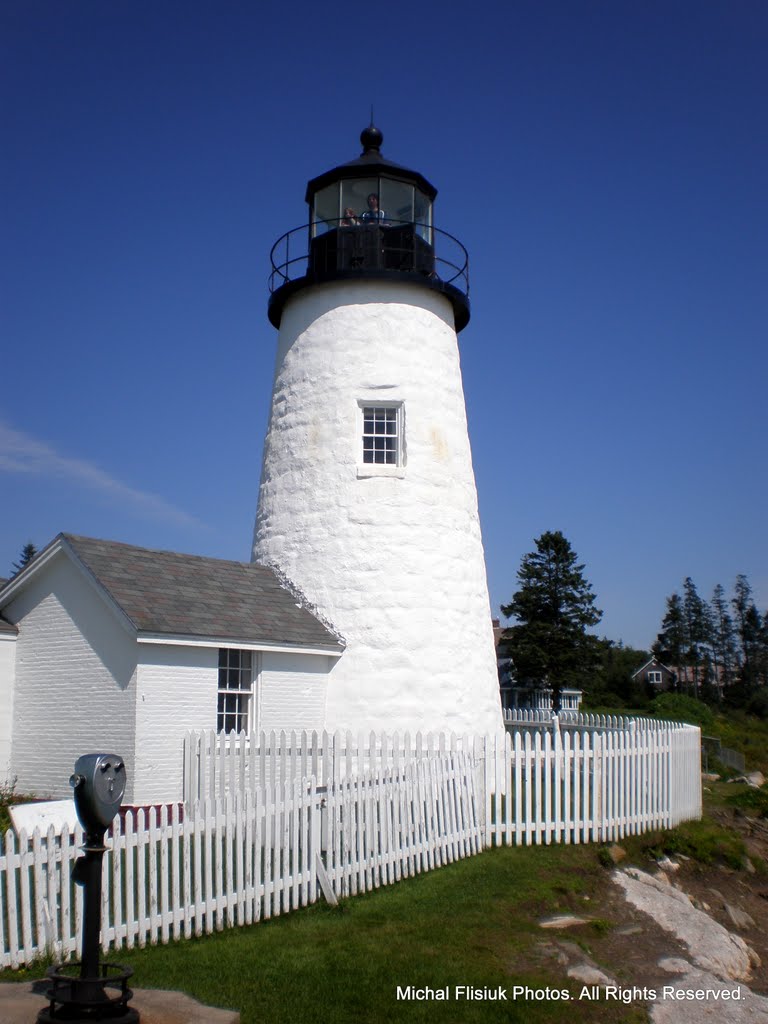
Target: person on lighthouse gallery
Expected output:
[373,213]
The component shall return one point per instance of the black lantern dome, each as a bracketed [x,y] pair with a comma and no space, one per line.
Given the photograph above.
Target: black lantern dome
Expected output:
[370,218]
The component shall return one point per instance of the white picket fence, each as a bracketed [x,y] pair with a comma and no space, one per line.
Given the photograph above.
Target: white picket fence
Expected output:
[233,861]
[568,778]
[216,764]
[269,820]
[576,784]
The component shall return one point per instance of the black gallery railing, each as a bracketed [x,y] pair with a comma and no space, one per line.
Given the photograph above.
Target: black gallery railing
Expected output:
[343,248]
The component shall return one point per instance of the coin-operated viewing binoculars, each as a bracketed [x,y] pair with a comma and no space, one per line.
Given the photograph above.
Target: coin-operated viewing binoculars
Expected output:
[79,992]
[99,785]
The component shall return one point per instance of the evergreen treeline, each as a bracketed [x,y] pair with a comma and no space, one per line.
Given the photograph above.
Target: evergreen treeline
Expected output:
[719,648]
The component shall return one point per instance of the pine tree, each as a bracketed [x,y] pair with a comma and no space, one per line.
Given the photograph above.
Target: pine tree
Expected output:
[748,629]
[698,629]
[753,629]
[28,552]
[762,653]
[554,606]
[672,642]
[723,638]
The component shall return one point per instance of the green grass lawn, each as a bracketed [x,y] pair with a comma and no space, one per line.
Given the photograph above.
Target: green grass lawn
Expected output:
[472,923]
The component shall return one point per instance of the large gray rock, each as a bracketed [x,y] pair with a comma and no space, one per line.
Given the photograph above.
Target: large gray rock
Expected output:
[711,946]
[694,996]
[754,779]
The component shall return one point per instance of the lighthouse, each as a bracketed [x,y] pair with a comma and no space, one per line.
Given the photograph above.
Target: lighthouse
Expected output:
[367,504]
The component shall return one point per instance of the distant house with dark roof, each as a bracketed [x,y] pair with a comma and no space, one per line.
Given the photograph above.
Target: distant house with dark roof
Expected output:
[656,676]
[106,645]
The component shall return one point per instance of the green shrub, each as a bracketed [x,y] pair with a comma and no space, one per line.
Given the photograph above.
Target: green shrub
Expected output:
[703,841]
[679,708]
[7,797]
[605,858]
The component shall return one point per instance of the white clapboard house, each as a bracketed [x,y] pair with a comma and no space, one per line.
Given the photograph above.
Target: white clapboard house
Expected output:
[105,646]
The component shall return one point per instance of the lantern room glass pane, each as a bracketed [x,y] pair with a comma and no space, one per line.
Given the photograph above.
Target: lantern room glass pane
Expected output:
[354,195]
[423,216]
[326,213]
[396,201]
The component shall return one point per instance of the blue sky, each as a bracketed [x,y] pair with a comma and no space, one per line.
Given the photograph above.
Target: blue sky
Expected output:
[605,164]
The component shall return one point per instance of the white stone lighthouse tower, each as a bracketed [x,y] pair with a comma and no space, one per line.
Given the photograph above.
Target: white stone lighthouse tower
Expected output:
[367,504]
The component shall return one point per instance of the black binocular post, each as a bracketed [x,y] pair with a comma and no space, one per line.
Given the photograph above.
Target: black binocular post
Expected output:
[87,873]
[79,992]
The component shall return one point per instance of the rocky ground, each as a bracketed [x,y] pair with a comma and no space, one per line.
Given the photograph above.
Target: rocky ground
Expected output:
[684,926]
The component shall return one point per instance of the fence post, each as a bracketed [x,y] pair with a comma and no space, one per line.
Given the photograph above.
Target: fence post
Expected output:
[557,754]
[597,787]
[483,785]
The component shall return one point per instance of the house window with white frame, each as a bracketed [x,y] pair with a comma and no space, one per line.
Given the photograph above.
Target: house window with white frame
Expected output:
[382,435]
[654,677]
[235,690]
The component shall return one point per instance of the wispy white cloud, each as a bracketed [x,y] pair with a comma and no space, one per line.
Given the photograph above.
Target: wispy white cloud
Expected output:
[20,453]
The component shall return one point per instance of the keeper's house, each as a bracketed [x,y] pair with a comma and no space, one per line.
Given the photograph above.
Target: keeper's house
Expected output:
[109,646]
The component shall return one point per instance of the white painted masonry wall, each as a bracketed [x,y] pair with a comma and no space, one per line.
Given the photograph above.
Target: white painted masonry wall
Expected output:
[75,679]
[393,561]
[176,692]
[293,690]
[7,683]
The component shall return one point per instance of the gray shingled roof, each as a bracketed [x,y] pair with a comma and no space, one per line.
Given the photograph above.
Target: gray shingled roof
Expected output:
[188,595]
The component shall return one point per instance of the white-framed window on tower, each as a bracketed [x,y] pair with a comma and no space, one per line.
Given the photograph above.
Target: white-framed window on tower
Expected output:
[236,708]
[381,439]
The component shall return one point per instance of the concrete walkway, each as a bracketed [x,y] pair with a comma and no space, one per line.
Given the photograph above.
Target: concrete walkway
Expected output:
[20,1004]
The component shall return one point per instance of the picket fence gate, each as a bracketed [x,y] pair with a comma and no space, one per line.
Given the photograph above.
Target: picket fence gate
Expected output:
[252,855]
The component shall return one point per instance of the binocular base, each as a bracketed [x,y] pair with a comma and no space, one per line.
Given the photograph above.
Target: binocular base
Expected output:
[126,1015]
[78,1000]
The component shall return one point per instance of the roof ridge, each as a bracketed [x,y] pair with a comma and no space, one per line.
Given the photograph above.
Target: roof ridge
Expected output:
[75,538]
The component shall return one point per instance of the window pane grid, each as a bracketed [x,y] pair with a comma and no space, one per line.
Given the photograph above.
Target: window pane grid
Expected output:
[380,435]
[235,690]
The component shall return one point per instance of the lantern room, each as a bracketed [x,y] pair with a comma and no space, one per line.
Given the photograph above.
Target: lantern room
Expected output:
[371,190]
[370,218]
